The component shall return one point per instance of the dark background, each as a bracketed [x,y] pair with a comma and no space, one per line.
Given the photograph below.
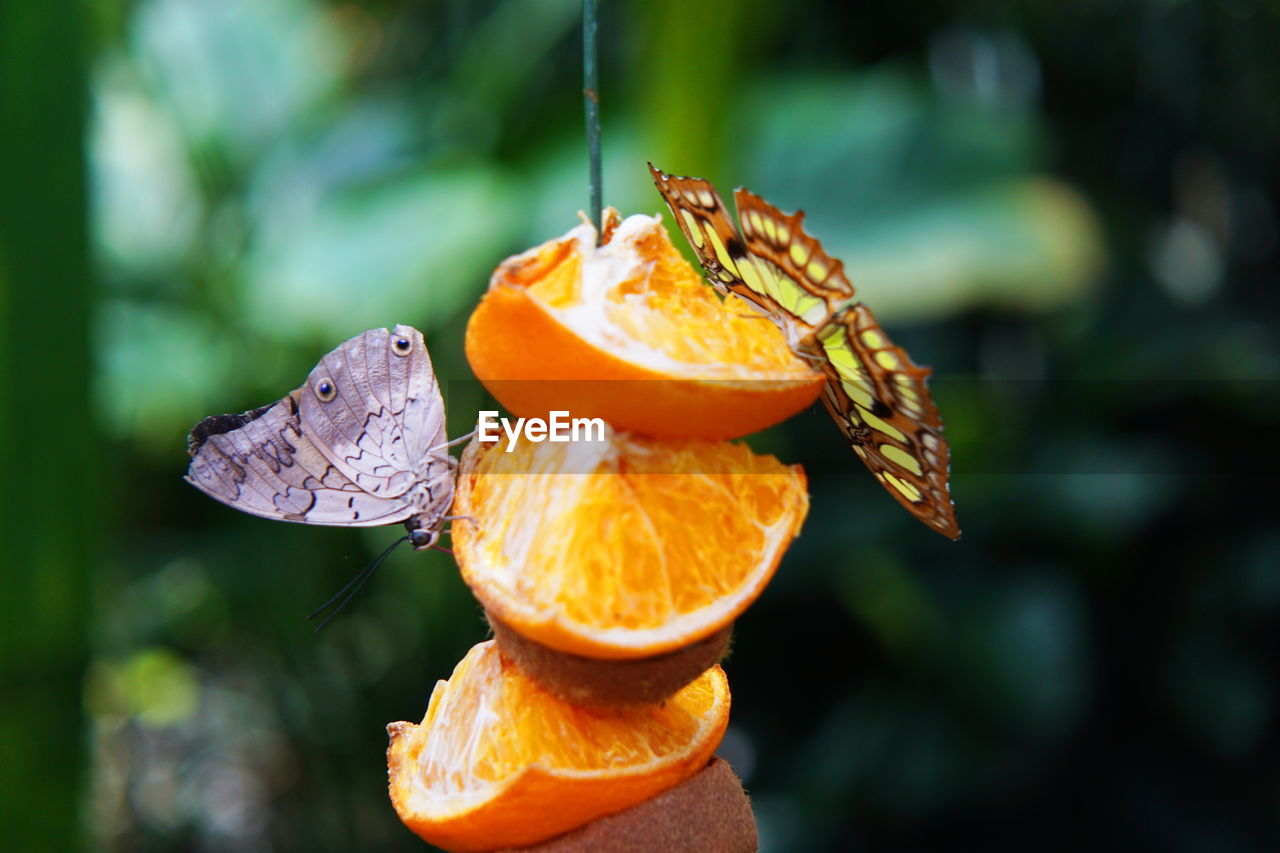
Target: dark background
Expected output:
[1068,209]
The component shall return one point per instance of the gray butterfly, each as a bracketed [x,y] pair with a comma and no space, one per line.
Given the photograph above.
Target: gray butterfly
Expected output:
[362,443]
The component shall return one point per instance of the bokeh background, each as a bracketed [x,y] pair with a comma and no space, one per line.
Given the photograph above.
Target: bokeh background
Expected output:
[1067,208]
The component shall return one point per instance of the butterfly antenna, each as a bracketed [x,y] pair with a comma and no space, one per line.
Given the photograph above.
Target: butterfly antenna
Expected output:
[349,591]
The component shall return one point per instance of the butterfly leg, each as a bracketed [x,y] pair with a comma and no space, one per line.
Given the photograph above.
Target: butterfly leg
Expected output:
[810,357]
[459,518]
[459,440]
[442,451]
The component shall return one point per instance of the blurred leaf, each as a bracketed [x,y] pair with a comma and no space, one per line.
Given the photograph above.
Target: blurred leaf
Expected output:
[522,34]
[146,203]
[1024,655]
[855,149]
[896,607]
[1028,245]
[558,184]
[681,78]
[160,365]
[238,73]
[155,686]
[930,203]
[413,250]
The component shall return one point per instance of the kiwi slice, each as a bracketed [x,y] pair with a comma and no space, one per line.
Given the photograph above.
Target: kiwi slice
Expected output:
[708,813]
[595,682]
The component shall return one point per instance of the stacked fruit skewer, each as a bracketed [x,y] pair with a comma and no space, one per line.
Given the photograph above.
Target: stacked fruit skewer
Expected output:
[611,569]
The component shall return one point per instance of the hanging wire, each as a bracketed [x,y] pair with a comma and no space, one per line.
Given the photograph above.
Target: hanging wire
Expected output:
[591,104]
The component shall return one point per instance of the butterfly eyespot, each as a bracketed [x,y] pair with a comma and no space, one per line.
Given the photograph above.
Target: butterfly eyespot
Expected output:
[401,346]
[325,390]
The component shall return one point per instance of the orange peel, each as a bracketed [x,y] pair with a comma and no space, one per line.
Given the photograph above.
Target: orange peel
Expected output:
[628,331]
[624,548]
[497,761]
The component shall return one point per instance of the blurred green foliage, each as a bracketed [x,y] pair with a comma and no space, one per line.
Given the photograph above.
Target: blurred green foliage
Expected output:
[1068,209]
[50,518]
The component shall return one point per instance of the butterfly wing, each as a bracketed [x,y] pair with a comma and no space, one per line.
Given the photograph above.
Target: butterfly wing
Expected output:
[757,266]
[880,399]
[347,448]
[262,462]
[373,408]
[796,259]
[875,393]
[701,215]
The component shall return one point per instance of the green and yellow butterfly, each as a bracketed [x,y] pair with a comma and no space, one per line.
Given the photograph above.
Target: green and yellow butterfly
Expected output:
[876,393]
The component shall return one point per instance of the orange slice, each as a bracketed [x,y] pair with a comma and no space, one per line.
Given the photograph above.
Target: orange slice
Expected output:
[623,548]
[499,762]
[629,332]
